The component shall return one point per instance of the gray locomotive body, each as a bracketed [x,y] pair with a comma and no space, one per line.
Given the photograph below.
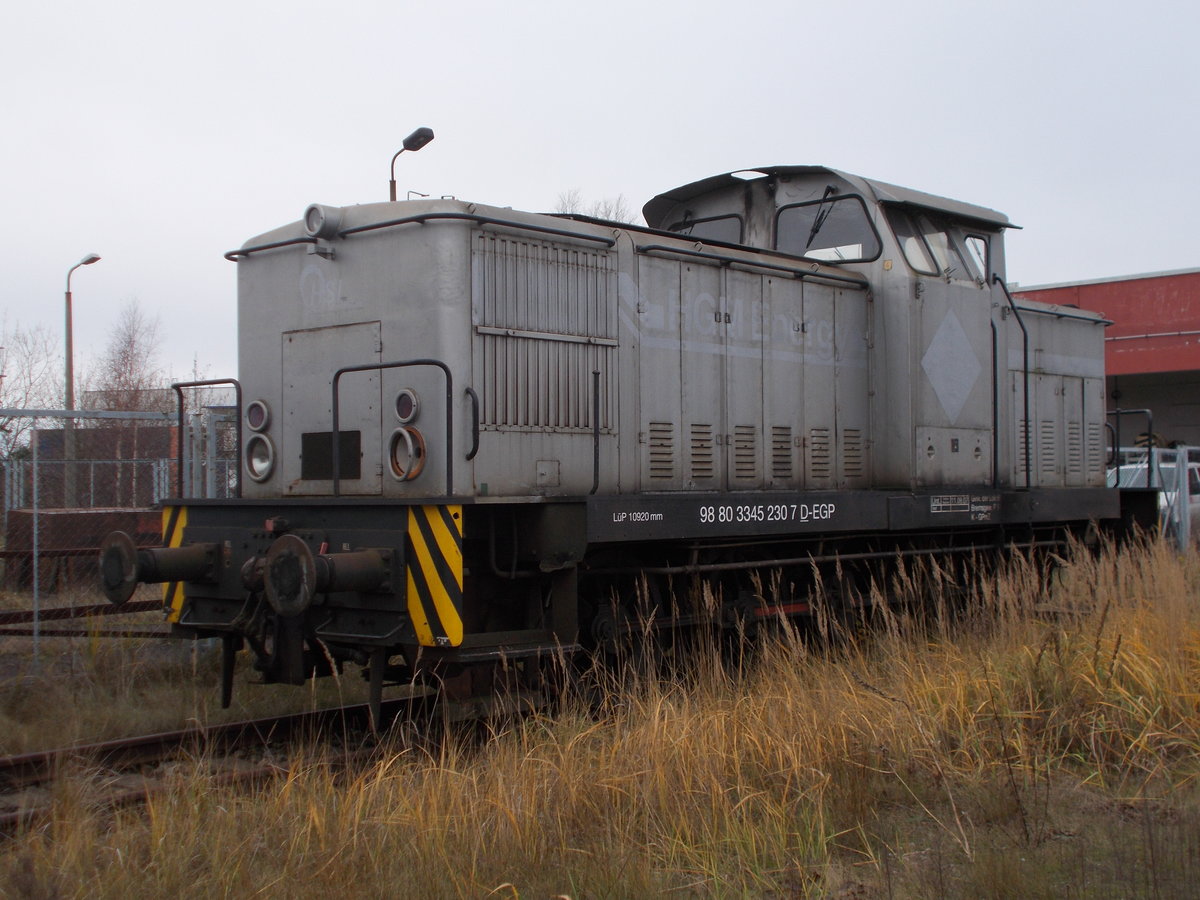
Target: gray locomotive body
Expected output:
[721,367]
[501,421]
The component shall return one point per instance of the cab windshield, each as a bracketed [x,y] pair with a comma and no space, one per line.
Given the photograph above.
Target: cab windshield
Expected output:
[931,245]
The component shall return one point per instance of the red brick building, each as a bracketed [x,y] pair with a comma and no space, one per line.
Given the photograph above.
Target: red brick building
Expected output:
[1152,349]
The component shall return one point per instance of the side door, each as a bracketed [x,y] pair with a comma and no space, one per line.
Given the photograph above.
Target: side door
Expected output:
[954,398]
[310,358]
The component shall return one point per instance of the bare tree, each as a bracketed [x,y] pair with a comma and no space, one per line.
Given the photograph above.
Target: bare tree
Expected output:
[31,369]
[127,376]
[570,202]
[614,209]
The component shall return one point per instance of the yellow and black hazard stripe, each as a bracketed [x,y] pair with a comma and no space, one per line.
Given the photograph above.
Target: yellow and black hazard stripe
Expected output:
[174,520]
[435,574]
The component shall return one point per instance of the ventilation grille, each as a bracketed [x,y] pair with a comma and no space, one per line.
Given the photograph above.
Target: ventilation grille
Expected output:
[702,452]
[1075,449]
[1047,444]
[852,453]
[1021,431]
[781,453]
[1095,448]
[745,452]
[820,453]
[662,450]
[545,320]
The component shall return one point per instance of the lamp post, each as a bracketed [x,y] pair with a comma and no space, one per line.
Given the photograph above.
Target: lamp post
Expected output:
[413,143]
[69,394]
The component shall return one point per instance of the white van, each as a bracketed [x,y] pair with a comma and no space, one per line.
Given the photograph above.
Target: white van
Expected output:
[1161,468]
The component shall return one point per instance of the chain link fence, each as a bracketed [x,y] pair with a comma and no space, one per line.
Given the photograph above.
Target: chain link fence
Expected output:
[68,479]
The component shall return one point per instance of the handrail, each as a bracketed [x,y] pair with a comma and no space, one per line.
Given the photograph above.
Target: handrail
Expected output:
[422,218]
[1025,367]
[726,260]
[595,431]
[379,367]
[233,255]
[470,392]
[995,406]
[1117,414]
[1057,312]
[178,388]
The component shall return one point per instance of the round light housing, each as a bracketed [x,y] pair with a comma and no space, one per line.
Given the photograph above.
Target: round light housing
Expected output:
[406,453]
[260,457]
[322,221]
[258,415]
[407,406]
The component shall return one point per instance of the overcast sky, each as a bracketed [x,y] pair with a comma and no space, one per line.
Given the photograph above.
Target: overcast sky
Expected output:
[161,136]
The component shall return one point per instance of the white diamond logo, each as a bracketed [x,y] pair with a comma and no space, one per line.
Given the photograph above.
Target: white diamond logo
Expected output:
[951,366]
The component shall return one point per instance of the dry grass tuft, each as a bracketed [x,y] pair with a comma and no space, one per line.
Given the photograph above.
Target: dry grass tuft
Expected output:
[1010,746]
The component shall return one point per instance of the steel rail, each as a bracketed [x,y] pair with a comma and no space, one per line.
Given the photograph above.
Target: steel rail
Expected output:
[23,616]
[25,769]
[106,632]
[52,553]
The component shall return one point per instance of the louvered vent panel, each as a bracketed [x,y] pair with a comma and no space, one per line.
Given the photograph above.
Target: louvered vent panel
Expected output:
[701,454]
[852,453]
[1020,448]
[781,452]
[662,450]
[1095,448]
[545,319]
[1047,444]
[745,452]
[1074,448]
[820,453]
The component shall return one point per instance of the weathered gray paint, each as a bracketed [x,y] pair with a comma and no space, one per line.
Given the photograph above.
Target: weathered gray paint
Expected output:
[713,376]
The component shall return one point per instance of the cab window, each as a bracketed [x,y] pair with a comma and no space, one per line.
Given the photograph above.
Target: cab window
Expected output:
[833,229]
[977,253]
[929,244]
[715,228]
[912,244]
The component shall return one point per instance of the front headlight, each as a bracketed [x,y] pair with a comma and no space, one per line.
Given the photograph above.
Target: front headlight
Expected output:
[406,453]
[260,457]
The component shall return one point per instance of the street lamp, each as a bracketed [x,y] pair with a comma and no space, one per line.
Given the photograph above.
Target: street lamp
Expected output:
[69,399]
[413,142]
[69,396]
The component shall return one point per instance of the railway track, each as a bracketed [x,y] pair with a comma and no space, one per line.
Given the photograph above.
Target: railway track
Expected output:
[27,622]
[131,770]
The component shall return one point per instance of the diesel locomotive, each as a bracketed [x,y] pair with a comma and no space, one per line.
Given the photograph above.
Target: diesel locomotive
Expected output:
[474,437]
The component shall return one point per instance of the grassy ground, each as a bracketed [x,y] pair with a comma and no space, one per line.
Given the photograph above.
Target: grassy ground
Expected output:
[83,690]
[1023,752]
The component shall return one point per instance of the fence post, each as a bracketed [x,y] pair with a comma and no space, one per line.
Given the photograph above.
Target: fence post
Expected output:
[210,455]
[196,435]
[1183,501]
[37,600]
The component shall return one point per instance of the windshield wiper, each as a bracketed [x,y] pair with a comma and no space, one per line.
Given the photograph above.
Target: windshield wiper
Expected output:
[823,212]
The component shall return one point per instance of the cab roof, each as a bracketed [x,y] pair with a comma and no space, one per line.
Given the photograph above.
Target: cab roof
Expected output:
[656,210]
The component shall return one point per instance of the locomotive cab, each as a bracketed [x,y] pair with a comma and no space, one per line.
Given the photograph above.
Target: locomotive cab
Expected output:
[966,386]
